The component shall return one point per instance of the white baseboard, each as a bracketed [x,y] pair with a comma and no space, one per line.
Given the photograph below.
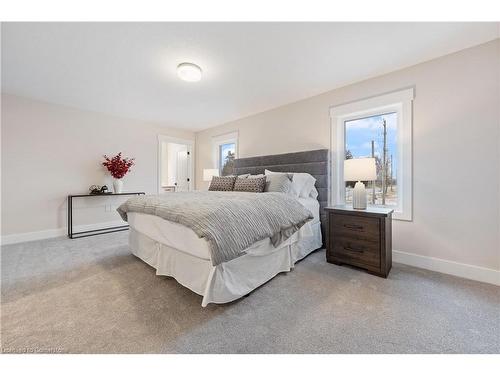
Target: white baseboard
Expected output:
[467,271]
[32,236]
[53,233]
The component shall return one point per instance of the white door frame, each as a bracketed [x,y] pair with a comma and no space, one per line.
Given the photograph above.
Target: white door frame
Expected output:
[190,147]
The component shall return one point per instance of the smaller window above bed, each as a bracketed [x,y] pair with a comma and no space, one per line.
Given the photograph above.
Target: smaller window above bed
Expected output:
[225,151]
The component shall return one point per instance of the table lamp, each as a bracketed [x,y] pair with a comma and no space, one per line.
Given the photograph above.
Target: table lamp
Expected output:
[362,169]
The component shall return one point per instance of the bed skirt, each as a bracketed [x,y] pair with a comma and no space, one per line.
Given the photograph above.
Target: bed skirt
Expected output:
[231,280]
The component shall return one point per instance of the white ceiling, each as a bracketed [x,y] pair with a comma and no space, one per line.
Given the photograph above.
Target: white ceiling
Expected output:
[129,69]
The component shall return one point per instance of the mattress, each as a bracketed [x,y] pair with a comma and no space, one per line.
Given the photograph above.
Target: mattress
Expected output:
[184,239]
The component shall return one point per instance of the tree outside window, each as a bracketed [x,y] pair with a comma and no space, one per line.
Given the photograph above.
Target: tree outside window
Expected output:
[227,154]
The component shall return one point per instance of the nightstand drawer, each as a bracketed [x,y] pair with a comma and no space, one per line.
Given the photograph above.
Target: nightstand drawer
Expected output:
[361,251]
[356,227]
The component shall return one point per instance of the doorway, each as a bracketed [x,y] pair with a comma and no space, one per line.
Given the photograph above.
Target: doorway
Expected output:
[175,167]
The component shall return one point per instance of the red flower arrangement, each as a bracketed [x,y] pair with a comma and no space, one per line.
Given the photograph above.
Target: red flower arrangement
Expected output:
[118,166]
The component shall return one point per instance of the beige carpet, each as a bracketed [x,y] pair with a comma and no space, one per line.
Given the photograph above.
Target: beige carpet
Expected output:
[92,296]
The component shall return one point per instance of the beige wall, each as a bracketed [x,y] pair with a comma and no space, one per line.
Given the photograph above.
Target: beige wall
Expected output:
[49,151]
[456,158]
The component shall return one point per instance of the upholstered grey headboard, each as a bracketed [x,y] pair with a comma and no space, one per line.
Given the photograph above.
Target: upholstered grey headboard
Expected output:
[316,163]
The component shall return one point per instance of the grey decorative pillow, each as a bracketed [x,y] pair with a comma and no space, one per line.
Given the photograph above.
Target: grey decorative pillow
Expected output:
[279,182]
[255,175]
[222,183]
[252,185]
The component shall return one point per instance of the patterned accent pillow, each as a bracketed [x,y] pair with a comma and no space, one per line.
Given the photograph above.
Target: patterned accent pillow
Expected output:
[222,183]
[252,185]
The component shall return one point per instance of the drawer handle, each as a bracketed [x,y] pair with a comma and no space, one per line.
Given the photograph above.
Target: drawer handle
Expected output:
[349,248]
[353,226]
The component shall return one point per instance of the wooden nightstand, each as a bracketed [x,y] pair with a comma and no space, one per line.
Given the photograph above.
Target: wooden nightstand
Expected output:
[361,238]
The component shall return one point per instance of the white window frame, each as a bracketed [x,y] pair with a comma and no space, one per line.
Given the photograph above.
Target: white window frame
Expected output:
[220,140]
[400,102]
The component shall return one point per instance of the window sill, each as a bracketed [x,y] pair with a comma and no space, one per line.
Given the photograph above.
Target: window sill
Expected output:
[399,216]
[396,215]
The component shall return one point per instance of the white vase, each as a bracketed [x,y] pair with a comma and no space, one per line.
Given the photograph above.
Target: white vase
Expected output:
[359,196]
[117,185]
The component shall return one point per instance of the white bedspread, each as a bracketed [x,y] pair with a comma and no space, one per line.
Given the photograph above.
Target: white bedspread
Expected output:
[184,239]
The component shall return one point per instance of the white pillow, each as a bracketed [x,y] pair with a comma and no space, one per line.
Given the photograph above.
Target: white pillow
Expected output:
[307,181]
[296,188]
[314,193]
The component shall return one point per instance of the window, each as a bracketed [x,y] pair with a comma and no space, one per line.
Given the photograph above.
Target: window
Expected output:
[378,127]
[225,151]
[227,154]
[375,137]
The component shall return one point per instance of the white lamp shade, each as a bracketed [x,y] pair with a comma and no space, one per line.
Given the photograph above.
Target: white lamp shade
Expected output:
[209,173]
[362,169]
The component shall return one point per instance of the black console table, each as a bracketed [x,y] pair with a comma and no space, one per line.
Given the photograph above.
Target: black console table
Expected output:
[94,232]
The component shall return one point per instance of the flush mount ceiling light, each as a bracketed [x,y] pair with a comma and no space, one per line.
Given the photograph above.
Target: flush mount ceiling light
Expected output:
[189,72]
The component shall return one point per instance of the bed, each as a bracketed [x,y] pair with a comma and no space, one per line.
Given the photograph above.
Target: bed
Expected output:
[175,250]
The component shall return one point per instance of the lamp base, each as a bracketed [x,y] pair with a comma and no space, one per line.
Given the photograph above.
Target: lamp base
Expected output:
[359,196]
